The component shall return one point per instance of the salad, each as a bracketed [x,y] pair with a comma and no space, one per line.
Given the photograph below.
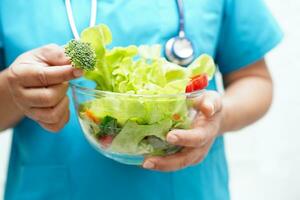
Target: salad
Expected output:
[144,96]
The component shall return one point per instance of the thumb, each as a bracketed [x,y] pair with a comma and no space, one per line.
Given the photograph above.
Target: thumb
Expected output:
[209,103]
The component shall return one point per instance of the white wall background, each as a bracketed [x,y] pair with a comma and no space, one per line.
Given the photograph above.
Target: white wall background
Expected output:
[264,158]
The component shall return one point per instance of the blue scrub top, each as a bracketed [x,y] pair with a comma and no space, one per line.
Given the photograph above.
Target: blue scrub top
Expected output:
[64,166]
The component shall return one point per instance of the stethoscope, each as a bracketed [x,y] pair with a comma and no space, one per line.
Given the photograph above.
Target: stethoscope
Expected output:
[178,49]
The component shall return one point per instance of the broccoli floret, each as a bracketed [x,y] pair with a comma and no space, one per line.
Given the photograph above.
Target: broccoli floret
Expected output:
[81,54]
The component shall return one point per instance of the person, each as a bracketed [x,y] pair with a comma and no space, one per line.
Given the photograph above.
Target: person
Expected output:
[35,99]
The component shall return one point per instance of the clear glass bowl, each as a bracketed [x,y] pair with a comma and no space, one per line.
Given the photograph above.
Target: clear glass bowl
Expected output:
[128,127]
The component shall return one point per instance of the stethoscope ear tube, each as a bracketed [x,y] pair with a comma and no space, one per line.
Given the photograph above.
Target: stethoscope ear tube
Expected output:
[179,49]
[72,21]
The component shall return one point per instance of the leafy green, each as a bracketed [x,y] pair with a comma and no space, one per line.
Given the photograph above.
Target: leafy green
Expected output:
[203,64]
[109,126]
[142,110]
[81,54]
[138,70]
[98,37]
[129,139]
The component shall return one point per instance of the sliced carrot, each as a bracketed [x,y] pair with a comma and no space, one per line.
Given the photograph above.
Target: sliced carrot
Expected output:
[92,116]
[176,117]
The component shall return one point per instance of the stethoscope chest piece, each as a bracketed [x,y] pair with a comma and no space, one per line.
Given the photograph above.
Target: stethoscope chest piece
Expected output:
[179,50]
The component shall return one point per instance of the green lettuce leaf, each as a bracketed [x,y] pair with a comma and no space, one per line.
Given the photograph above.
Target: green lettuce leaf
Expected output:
[203,64]
[139,70]
[129,139]
[150,52]
[142,110]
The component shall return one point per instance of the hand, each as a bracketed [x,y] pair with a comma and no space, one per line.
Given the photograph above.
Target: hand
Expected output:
[197,141]
[38,84]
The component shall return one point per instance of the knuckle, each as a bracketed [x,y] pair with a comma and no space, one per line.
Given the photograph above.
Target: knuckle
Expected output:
[54,116]
[41,74]
[212,94]
[60,54]
[10,76]
[53,50]
[65,77]
[33,114]
[46,98]
[198,160]
[23,55]
[183,163]
[49,47]
[55,128]
[13,76]
[51,128]
[199,141]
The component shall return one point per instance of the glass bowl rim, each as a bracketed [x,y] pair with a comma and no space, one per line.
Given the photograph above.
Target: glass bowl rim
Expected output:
[94,92]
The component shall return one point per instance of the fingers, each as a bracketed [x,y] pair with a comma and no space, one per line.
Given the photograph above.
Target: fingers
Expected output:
[44,66]
[41,97]
[52,54]
[57,126]
[49,115]
[55,74]
[174,162]
[38,84]
[189,138]
[209,103]
[41,76]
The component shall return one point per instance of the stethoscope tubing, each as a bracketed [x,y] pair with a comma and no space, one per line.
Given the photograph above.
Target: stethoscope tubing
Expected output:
[71,17]
[169,47]
[181,18]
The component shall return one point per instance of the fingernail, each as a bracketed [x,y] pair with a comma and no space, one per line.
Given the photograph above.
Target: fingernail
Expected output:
[77,72]
[148,165]
[172,138]
[211,107]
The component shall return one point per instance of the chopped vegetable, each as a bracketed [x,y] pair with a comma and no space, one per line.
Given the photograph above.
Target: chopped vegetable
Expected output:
[176,117]
[89,114]
[128,140]
[109,126]
[198,82]
[81,54]
[135,124]
[132,69]
[106,140]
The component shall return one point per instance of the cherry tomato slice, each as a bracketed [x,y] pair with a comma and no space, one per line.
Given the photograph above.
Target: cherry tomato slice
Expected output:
[198,82]
[106,140]
[189,87]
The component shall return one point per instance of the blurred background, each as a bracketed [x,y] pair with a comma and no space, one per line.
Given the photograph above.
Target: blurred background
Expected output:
[264,158]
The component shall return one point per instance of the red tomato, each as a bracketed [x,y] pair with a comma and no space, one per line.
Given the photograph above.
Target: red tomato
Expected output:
[106,140]
[197,83]
[189,87]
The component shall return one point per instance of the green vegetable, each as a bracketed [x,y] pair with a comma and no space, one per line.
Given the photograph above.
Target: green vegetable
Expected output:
[132,69]
[109,126]
[137,70]
[203,64]
[142,110]
[129,139]
[81,54]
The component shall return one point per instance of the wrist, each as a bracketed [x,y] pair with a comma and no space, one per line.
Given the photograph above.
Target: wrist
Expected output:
[11,113]
[224,117]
